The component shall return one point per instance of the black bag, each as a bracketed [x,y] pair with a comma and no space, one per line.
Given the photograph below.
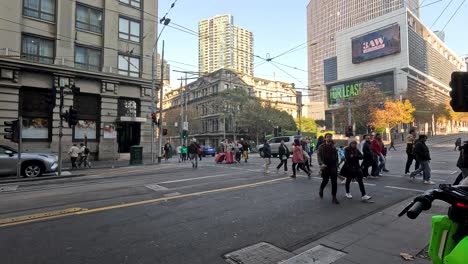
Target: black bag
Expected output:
[86,151]
[344,170]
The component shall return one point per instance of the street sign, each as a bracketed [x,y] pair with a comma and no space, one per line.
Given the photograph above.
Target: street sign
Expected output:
[176,124]
[185,126]
[155,109]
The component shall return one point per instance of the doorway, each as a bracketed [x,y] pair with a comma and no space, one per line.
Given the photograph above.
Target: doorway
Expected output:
[128,134]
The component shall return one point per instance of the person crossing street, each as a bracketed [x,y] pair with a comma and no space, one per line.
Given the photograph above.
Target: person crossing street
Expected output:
[283,154]
[423,156]
[327,157]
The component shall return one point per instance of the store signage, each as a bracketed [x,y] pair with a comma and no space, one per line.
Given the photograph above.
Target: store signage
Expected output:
[349,89]
[376,44]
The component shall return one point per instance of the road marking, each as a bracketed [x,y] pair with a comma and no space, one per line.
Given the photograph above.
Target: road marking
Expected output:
[8,188]
[405,189]
[198,178]
[320,178]
[38,217]
[155,187]
[107,208]
[172,194]
[443,171]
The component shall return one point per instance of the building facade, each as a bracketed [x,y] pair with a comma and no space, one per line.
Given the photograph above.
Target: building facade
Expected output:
[221,44]
[210,127]
[102,47]
[324,20]
[394,53]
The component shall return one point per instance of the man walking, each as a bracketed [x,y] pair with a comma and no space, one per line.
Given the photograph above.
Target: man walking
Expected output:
[368,158]
[410,142]
[266,157]
[283,153]
[379,160]
[74,152]
[327,157]
[245,149]
[422,155]
[193,153]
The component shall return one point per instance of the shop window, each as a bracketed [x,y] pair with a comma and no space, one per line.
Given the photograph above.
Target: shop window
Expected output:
[88,107]
[36,114]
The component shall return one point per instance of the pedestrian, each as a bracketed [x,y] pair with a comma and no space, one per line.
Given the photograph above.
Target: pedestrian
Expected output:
[237,151]
[312,148]
[423,156]
[410,143]
[84,154]
[184,151]
[457,143]
[245,149]
[327,157]
[74,152]
[384,153]
[361,143]
[193,153]
[266,157]
[320,141]
[367,155]
[352,170]
[462,163]
[179,152]
[229,149]
[306,147]
[167,150]
[297,158]
[283,155]
[379,160]
[341,158]
[392,145]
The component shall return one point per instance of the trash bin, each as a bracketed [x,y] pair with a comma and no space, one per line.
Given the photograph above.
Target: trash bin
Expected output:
[136,155]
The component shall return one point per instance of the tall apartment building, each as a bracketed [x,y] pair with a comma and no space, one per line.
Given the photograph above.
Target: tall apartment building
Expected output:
[324,20]
[103,47]
[223,45]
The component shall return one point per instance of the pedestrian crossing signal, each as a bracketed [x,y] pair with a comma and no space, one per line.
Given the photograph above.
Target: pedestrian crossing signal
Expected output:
[12,130]
[184,134]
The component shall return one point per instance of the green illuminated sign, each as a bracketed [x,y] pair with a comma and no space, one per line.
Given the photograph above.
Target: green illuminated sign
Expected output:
[343,91]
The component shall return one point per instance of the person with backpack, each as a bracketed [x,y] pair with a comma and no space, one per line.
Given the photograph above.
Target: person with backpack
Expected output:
[283,154]
[266,157]
[423,156]
[84,154]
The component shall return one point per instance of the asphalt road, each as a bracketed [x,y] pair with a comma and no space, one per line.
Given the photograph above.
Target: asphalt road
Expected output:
[172,213]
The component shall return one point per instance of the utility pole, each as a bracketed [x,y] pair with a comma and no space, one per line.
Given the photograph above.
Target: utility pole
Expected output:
[186,114]
[60,131]
[161,103]
[153,84]
[20,145]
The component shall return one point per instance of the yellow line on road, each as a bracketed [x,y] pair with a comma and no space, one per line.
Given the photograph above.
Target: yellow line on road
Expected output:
[72,211]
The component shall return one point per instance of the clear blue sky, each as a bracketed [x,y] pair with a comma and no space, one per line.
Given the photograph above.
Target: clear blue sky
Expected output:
[278,25]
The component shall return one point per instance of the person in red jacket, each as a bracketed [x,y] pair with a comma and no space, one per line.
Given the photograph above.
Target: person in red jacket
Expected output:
[379,160]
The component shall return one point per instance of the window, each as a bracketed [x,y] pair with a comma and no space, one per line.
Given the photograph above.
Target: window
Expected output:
[37,49]
[87,58]
[42,9]
[36,114]
[134,3]
[129,66]
[88,121]
[88,18]
[129,29]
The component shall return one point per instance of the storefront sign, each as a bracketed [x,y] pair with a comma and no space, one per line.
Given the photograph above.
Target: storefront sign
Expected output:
[376,44]
[348,90]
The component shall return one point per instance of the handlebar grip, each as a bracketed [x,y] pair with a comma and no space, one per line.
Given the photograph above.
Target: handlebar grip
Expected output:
[415,210]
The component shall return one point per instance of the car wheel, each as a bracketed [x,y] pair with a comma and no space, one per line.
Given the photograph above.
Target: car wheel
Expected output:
[32,169]
[212,155]
[261,152]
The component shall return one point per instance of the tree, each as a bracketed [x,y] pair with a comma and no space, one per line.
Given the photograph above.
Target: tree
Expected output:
[394,113]
[363,105]
[307,124]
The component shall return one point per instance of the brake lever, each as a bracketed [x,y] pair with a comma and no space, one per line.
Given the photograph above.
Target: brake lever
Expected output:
[406,209]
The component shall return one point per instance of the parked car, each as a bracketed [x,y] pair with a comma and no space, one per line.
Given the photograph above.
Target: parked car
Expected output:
[32,164]
[275,143]
[208,151]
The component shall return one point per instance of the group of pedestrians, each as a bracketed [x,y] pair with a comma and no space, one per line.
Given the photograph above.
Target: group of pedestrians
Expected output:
[233,151]
[80,154]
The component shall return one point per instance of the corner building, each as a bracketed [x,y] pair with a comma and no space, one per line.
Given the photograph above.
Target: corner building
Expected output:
[103,47]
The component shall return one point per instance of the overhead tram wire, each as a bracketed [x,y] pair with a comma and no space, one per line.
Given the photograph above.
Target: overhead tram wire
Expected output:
[443,11]
[456,11]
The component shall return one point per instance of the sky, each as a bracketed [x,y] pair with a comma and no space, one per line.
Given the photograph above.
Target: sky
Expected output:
[278,26]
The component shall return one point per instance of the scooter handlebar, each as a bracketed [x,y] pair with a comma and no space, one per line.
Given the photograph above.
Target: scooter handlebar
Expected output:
[415,210]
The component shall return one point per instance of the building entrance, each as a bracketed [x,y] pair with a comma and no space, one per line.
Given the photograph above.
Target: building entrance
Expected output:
[128,134]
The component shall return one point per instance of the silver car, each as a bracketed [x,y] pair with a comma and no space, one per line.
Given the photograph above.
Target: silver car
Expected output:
[32,164]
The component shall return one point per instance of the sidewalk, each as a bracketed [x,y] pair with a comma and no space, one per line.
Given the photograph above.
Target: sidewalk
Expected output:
[379,238]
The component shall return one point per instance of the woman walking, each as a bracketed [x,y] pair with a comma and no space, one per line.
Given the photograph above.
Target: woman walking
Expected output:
[298,158]
[352,170]
[283,153]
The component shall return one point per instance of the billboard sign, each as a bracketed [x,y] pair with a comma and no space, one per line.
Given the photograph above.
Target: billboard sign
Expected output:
[349,89]
[376,44]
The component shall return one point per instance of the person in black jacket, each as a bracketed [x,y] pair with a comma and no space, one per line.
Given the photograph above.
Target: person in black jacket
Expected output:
[422,154]
[283,154]
[410,143]
[266,156]
[462,163]
[367,155]
[193,153]
[352,170]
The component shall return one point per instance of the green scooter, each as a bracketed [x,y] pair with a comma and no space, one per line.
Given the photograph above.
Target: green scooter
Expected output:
[449,239]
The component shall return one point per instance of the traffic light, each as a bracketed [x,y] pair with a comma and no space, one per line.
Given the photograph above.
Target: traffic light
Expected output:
[154,119]
[12,130]
[164,131]
[72,117]
[459,93]
[184,134]
[51,99]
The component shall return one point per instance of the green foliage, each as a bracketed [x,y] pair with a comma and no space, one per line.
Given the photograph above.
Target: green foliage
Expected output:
[307,124]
